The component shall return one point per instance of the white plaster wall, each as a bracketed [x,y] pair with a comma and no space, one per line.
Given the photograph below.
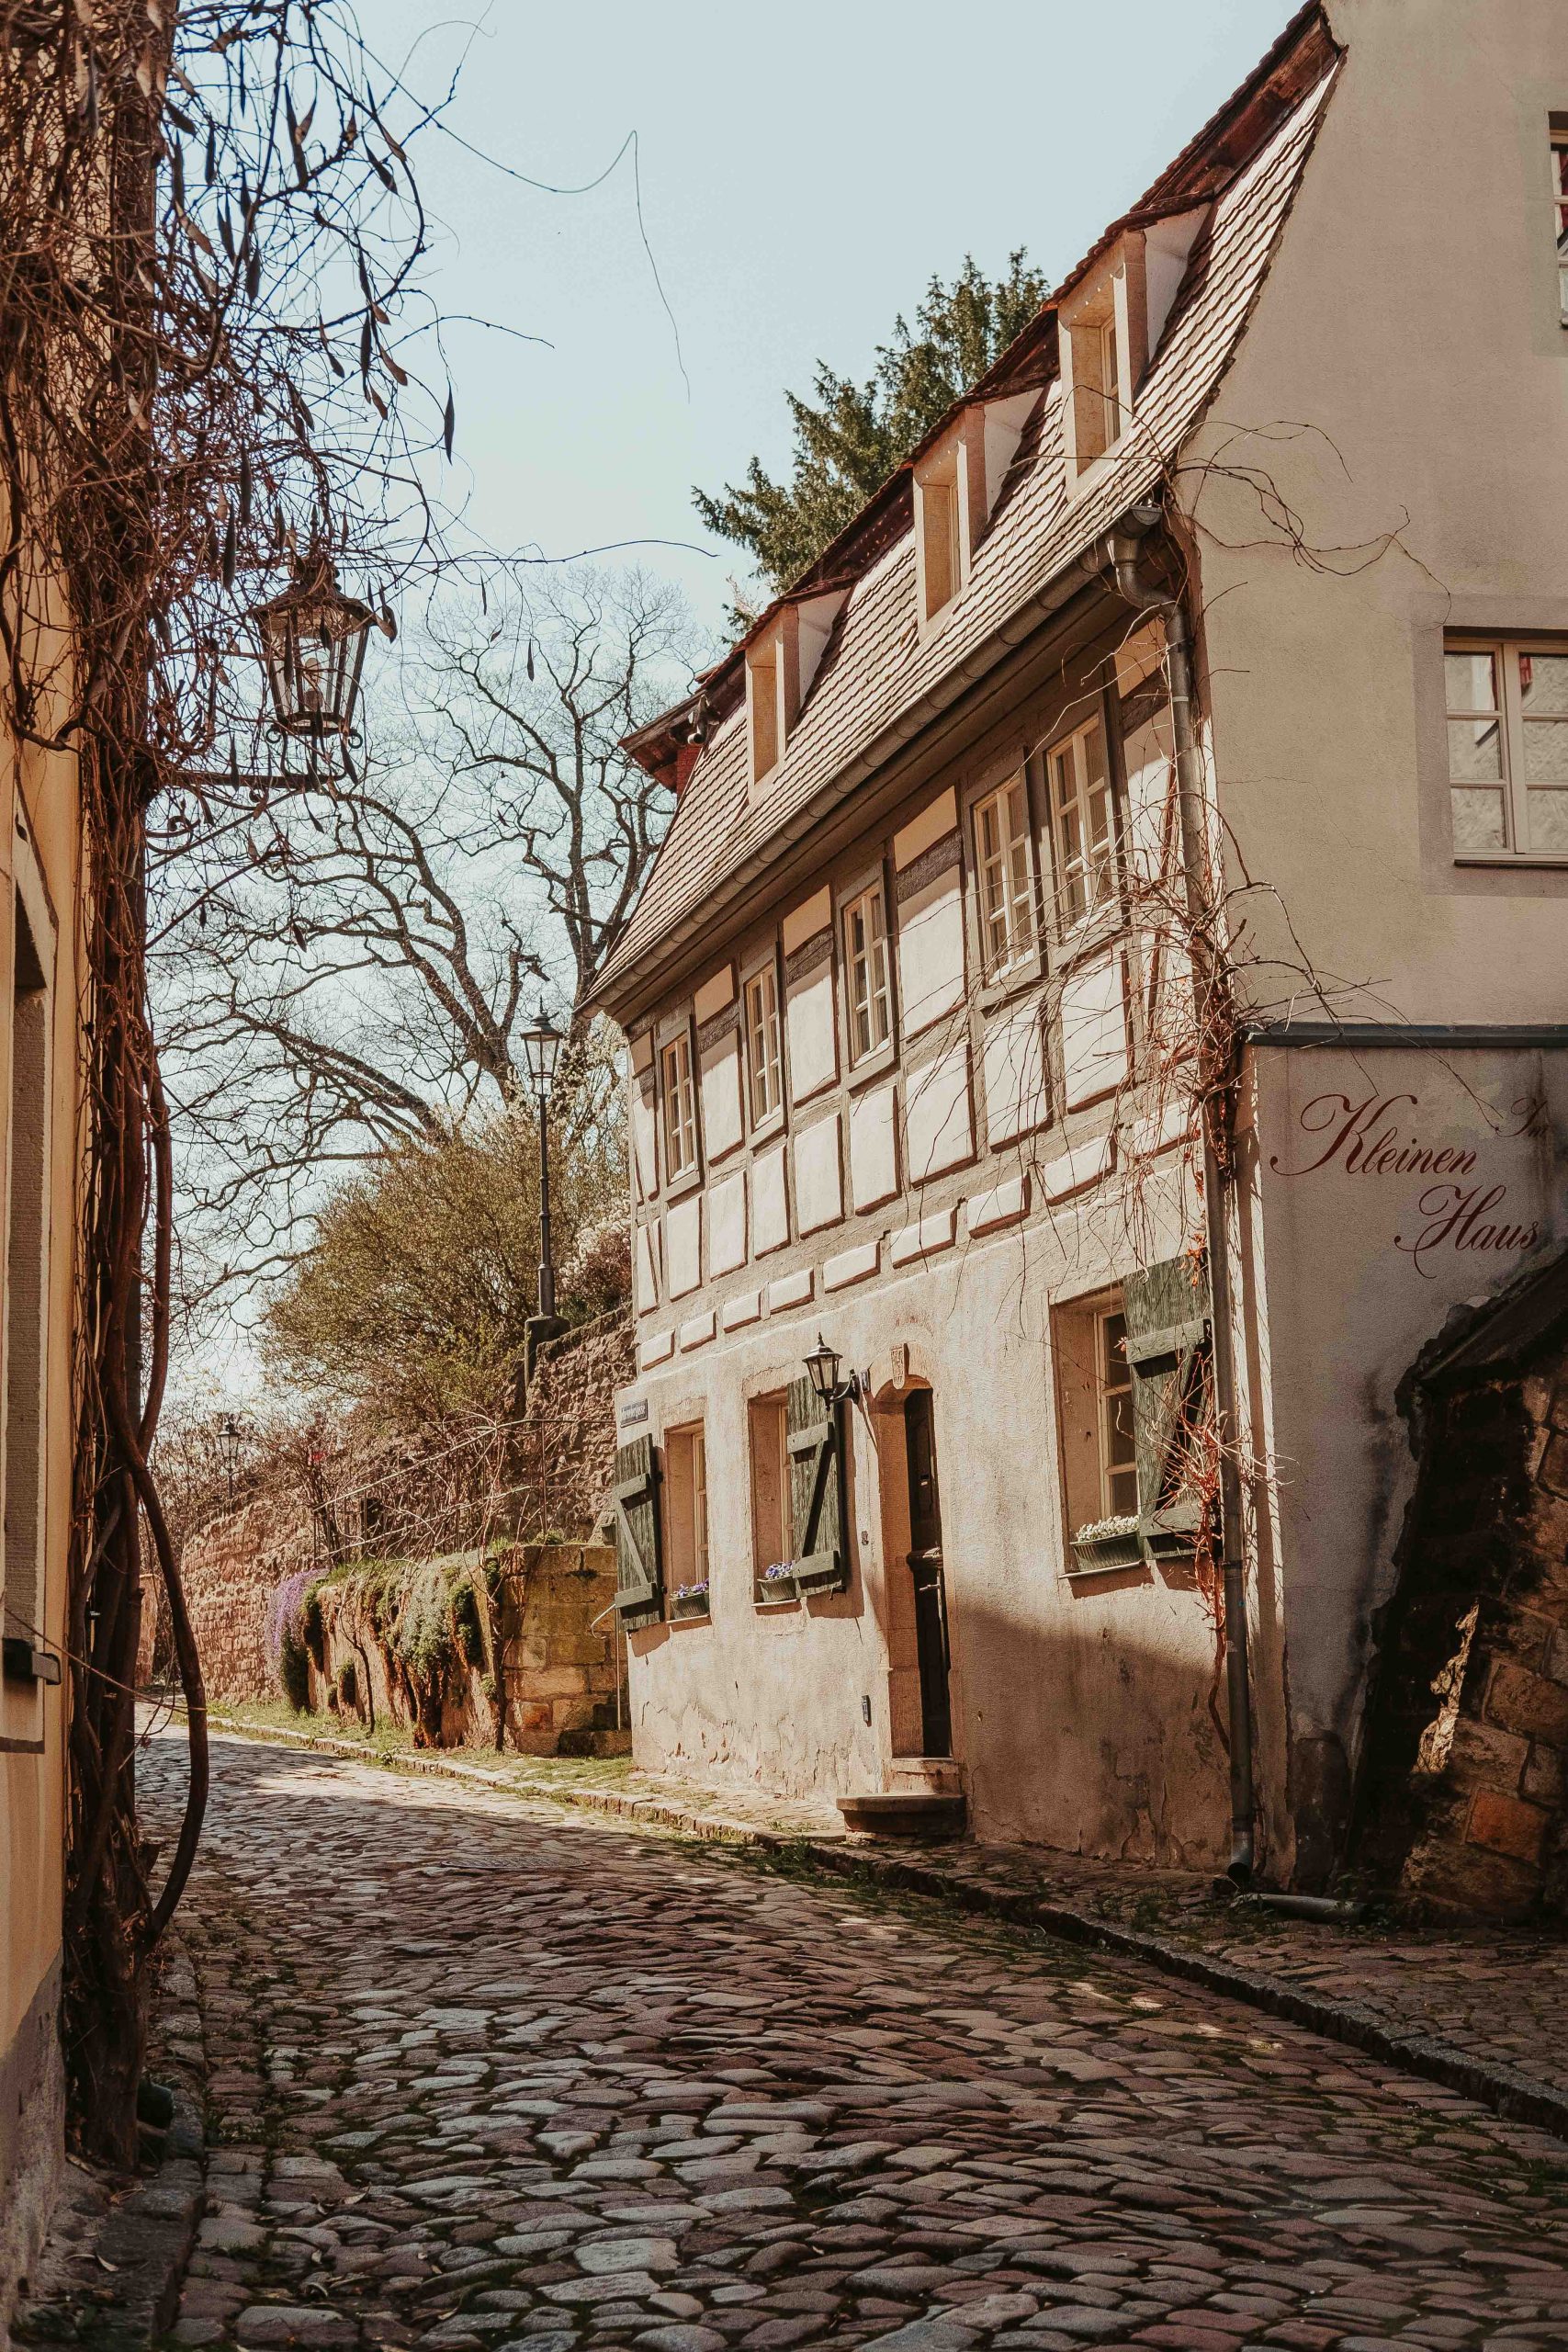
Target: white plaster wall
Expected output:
[683,1245]
[873,1147]
[819,1175]
[722,1127]
[1403,385]
[930,952]
[1354,1264]
[812,1039]
[769,1201]
[727,1224]
[1013,1063]
[1081,1715]
[1094,1029]
[939,1124]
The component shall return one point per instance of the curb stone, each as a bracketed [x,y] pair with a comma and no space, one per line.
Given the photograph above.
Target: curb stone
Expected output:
[143,2244]
[1503,2089]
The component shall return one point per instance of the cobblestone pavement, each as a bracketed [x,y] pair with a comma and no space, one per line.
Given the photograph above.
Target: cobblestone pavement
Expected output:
[487,2073]
[1497,1995]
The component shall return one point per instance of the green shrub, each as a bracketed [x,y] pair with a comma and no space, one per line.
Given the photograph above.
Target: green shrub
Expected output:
[294,1670]
[465,1616]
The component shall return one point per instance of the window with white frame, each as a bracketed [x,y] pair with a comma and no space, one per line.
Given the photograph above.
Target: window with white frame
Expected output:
[686,1509]
[773,1535]
[1118,1459]
[680,1108]
[941,546]
[1507,731]
[1560,209]
[764,1049]
[1083,828]
[1004,876]
[865,962]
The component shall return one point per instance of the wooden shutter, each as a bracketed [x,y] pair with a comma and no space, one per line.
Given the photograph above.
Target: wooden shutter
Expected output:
[817,1490]
[639,1587]
[1167,1341]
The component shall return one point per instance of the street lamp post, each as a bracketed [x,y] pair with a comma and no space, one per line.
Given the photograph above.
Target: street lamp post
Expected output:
[541,1051]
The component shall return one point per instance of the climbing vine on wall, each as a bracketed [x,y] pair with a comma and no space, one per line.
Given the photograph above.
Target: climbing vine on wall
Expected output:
[209,234]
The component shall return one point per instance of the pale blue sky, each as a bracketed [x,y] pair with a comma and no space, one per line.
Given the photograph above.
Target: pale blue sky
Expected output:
[803,169]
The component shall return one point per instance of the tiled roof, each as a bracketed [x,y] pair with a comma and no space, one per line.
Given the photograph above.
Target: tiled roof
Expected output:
[879,667]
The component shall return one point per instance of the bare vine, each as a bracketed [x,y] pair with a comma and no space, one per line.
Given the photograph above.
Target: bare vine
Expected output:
[209,242]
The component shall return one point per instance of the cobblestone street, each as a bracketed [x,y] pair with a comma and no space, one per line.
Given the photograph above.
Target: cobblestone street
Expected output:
[482,2072]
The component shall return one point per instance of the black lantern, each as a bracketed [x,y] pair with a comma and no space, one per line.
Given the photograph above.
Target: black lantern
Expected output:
[541,1051]
[313,645]
[822,1363]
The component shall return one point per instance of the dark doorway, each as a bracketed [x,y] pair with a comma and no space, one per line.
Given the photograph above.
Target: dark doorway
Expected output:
[925,1566]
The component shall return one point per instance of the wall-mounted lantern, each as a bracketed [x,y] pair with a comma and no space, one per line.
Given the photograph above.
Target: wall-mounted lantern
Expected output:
[313,639]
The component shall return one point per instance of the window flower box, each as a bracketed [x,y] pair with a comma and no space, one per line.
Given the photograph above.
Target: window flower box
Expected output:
[778,1583]
[690,1600]
[1108,1544]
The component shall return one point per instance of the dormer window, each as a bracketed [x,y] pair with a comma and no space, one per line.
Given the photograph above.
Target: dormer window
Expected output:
[1098,372]
[763,729]
[782,662]
[957,483]
[1110,325]
[940,559]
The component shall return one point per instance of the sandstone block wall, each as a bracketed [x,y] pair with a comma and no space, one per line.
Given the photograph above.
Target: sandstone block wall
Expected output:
[574,1398]
[563,1672]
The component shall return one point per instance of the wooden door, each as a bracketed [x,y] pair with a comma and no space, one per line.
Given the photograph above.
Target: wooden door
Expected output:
[925,1568]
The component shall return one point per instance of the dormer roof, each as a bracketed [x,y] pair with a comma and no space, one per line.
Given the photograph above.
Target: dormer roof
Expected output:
[879,673]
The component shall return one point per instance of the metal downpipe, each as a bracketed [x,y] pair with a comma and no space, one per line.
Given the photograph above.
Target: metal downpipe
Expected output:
[1124,550]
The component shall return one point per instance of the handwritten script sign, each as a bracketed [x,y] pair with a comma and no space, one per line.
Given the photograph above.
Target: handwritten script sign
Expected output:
[1380,1137]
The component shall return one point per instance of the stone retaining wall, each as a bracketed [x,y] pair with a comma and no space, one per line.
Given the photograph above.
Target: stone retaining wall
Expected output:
[562,1663]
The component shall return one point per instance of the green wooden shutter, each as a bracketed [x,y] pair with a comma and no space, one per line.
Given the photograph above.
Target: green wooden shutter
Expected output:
[817,1490]
[639,1586]
[1167,1341]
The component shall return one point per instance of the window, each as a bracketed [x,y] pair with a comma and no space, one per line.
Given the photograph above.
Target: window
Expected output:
[1004,876]
[866,957]
[1094,1406]
[1096,361]
[1082,822]
[1110,380]
[26,1301]
[1560,209]
[686,1509]
[764,1053]
[773,1531]
[941,551]
[1507,731]
[680,1109]
[1118,1465]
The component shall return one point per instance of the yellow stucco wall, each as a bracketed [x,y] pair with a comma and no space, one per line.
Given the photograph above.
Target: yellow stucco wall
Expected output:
[38,822]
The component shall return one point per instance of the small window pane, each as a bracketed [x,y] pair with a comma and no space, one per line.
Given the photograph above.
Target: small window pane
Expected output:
[1478,821]
[1475,750]
[1471,681]
[1543,684]
[1549,823]
[1546,751]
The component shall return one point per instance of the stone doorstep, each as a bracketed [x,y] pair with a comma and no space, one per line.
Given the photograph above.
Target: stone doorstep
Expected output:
[1507,2091]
